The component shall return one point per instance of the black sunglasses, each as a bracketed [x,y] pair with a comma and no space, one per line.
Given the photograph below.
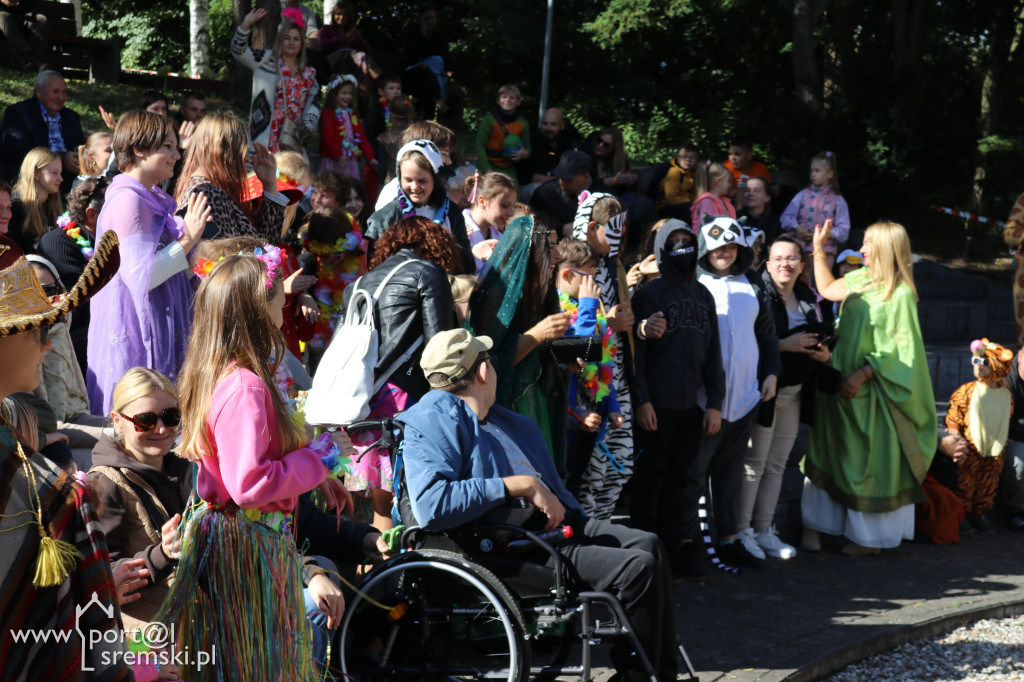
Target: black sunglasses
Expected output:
[146,421]
[52,289]
[44,332]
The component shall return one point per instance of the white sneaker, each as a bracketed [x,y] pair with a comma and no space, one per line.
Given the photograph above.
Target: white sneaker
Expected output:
[749,542]
[774,547]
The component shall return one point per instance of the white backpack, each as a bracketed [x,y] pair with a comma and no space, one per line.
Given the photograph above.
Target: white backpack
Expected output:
[343,384]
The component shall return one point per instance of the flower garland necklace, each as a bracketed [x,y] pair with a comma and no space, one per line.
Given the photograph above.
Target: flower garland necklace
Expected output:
[350,139]
[72,230]
[338,265]
[595,377]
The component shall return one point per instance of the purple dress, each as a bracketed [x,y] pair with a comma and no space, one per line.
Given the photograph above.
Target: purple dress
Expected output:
[132,326]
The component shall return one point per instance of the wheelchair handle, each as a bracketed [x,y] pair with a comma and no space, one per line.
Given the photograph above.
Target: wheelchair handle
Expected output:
[363,425]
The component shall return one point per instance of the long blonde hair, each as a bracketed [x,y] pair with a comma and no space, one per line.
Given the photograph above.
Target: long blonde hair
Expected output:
[231,325]
[891,264]
[40,214]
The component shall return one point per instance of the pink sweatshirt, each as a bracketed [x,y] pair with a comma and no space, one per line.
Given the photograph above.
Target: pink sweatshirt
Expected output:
[247,465]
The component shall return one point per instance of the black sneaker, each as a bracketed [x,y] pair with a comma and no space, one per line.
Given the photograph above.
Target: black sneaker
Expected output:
[981,524]
[966,527]
[687,564]
[1016,521]
[735,554]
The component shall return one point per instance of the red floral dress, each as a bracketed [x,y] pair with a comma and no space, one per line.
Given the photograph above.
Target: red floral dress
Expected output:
[289,100]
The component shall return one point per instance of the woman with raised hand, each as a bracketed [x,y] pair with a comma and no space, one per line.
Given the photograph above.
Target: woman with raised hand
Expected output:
[285,106]
[871,444]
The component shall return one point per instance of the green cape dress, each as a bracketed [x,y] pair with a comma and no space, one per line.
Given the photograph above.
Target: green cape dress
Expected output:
[871,453]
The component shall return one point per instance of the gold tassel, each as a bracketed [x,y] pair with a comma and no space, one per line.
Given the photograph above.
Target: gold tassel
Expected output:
[56,559]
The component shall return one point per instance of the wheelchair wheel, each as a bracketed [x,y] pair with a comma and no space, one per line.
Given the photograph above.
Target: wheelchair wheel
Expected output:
[433,615]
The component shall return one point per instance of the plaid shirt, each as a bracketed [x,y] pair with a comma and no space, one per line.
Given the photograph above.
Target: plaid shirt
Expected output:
[56,143]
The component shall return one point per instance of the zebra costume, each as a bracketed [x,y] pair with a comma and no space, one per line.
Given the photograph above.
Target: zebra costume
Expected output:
[611,462]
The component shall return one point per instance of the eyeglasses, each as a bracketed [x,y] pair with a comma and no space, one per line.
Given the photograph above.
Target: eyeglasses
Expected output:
[580,272]
[789,260]
[977,361]
[44,332]
[687,157]
[602,143]
[146,421]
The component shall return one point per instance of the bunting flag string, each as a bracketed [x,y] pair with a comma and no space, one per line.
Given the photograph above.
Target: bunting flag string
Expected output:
[969,216]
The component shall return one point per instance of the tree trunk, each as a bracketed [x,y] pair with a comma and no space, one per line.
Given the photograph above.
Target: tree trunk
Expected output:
[908,22]
[843,16]
[1005,38]
[199,36]
[806,14]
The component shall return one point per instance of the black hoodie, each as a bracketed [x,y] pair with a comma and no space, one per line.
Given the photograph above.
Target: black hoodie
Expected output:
[671,370]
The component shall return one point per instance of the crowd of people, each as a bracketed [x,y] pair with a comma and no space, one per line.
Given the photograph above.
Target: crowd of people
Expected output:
[537,337]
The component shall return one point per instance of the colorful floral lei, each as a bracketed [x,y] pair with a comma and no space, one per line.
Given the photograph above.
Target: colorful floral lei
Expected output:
[595,377]
[349,147]
[338,265]
[72,230]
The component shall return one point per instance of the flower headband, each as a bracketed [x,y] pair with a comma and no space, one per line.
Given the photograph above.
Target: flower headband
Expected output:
[272,258]
[340,80]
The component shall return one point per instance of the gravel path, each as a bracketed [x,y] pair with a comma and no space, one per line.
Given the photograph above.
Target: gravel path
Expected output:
[984,651]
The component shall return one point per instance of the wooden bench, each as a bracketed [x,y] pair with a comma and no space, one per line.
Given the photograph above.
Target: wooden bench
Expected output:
[99,59]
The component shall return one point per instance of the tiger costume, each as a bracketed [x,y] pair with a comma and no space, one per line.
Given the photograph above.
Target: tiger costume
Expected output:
[980,412]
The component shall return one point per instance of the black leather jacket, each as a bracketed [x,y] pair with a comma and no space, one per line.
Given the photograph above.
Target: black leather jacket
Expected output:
[417,300]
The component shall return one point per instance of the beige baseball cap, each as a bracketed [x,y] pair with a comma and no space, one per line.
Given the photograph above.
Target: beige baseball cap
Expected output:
[452,353]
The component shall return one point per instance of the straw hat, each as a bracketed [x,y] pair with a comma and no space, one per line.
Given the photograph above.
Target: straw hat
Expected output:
[24,305]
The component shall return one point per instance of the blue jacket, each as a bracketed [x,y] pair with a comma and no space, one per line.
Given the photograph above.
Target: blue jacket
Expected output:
[453,469]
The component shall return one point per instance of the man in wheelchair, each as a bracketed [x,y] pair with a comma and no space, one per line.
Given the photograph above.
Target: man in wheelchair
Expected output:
[464,456]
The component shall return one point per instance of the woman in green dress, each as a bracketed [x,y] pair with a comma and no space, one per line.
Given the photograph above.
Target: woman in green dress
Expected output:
[515,304]
[872,443]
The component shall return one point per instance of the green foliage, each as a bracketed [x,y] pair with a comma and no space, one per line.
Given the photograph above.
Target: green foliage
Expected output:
[154,34]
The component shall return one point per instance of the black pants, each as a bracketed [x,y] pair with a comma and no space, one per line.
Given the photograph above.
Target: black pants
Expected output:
[632,565]
[577,456]
[720,458]
[665,477]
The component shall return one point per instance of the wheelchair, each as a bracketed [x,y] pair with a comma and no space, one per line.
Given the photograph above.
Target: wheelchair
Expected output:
[476,603]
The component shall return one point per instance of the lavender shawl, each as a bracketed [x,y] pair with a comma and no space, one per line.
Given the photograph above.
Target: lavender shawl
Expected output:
[132,326]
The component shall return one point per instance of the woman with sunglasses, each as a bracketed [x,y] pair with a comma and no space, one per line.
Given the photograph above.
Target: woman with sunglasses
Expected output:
[47,515]
[142,490]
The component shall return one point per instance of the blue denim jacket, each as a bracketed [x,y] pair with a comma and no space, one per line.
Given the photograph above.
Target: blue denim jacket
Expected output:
[453,469]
